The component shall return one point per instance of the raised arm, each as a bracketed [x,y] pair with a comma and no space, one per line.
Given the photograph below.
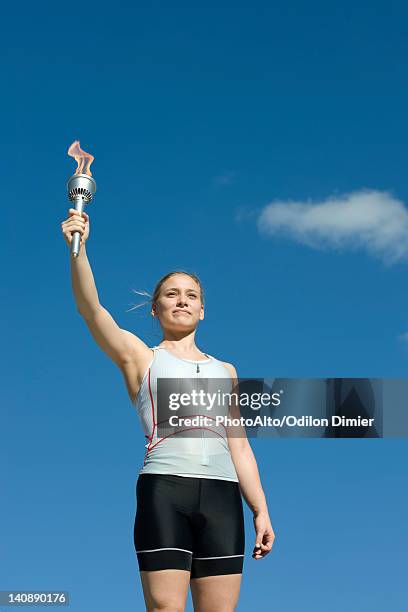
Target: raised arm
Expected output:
[122,346]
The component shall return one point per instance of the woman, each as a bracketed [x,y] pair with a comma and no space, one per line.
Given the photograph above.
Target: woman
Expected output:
[189,527]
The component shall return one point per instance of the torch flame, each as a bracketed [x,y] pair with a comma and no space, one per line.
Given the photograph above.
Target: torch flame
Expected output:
[84,160]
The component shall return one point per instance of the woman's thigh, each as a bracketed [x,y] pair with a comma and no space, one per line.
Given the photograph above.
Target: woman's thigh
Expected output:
[165,589]
[216,593]
[219,531]
[163,533]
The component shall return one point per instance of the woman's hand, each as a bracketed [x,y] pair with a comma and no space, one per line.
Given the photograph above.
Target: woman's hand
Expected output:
[264,535]
[75,223]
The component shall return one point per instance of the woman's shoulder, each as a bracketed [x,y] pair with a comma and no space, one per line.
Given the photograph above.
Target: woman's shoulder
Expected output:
[229,366]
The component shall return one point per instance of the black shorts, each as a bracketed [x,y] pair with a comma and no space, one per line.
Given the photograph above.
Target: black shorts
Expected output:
[188,523]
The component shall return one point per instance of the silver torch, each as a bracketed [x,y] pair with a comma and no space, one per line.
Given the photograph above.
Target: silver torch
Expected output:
[81,187]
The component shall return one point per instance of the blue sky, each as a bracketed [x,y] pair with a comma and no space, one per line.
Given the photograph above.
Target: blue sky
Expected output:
[264,147]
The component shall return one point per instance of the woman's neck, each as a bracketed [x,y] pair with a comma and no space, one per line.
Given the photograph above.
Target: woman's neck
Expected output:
[185,347]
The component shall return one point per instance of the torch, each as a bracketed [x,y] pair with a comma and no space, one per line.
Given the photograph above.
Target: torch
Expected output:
[81,187]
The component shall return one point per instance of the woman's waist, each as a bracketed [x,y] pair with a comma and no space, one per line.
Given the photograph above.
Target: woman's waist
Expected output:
[212,465]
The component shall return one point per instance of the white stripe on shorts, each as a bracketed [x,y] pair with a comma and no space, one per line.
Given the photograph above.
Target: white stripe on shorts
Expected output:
[156,549]
[225,557]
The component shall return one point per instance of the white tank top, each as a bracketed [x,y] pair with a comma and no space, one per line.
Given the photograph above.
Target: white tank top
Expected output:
[207,456]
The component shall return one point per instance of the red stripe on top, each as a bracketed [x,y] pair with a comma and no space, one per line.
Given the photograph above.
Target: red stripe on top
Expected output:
[153,419]
[187,429]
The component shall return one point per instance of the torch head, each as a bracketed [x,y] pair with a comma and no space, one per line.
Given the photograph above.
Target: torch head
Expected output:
[81,186]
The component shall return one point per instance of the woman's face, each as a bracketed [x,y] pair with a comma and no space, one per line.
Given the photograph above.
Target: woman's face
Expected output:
[179,304]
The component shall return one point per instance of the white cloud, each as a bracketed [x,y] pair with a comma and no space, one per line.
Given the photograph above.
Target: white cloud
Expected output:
[372,220]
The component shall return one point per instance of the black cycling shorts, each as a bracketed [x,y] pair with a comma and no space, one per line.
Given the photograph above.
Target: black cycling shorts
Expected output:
[188,523]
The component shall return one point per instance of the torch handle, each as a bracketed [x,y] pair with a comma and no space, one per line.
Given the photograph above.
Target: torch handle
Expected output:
[79,205]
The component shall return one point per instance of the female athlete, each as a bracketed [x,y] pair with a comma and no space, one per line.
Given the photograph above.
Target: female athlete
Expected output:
[189,524]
